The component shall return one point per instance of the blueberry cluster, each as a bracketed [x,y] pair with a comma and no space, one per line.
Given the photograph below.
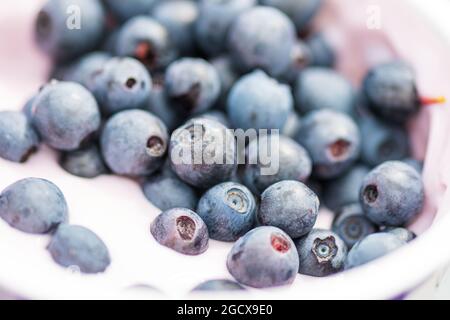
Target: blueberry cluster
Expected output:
[143,79]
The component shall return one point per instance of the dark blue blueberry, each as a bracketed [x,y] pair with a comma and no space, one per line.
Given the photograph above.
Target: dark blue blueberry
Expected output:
[321,52]
[228,77]
[18,140]
[179,18]
[321,253]
[382,141]
[402,233]
[416,164]
[160,106]
[345,189]
[310,94]
[125,10]
[332,140]
[264,257]
[390,91]
[181,230]
[79,247]
[33,205]
[203,153]
[214,22]
[83,70]
[192,85]
[228,210]
[122,84]
[372,247]
[290,206]
[218,285]
[392,194]
[84,163]
[134,143]
[66,29]
[262,37]
[292,160]
[146,40]
[66,115]
[352,225]
[166,191]
[259,102]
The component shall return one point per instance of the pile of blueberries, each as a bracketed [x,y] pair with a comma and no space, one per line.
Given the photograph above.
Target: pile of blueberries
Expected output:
[136,72]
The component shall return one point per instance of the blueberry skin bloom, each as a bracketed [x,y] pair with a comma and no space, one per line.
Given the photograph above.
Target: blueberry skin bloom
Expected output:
[179,18]
[310,94]
[134,142]
[332,140]
[203,153]
[218,285]
[125,10]
[65,29]
[392,194]
[214,22]
[390,91]
[262,37]
[293,161]
[372,247]
[76,246]
[146,40]
[265,257]
[192,85]
[122,83]
[321,253]
[290,206]
[18,139]
[401,233]
[84,163]
[66,115]
[167,192]
[33,205]
[182,230]
[259,102]
[352,225]
[83,70]
[228,210]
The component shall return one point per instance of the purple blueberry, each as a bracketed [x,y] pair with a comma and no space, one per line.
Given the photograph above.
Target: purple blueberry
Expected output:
[134,143]
[321,253]
[181,230]
[218,285]
[290,206]
[228,210]
[264,257]
[84,163]
[392,194]
[33,205]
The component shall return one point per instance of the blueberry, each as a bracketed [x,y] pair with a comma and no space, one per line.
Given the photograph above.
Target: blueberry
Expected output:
[293,161]
[203,153]
[216,115]
[259,102]
[33,205]
[66,115]
[181,230]
[66,29]
[290,206]
[84,163]
[228,210]
[390,91]
[416,164]
[345,189]
[262,37]
[382,141]
[321,52]
[332,140]
[300,11]
[310,94]
[321,253]
[27,109]
[167,192]
[18,140]
[300,58]
[179,18]
[125,10]
[76,246]
[402,233]
[264,257]
[228,77]
[162,107]
[392,194]
[292,126]
[146,40]
[372,247]
[218,285]
[192,85]
[134,142]
[83,70]
[122,83]
[351,224]
[214,22]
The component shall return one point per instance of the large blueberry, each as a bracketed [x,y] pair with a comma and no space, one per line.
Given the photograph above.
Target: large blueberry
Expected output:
[84,163]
